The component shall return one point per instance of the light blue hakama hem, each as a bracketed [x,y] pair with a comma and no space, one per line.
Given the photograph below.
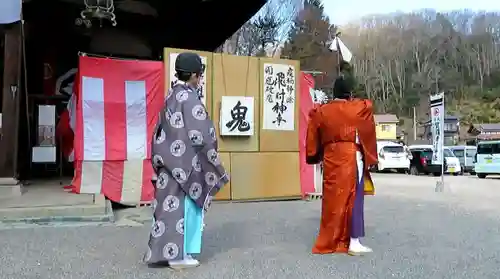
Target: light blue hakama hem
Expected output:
[193,222]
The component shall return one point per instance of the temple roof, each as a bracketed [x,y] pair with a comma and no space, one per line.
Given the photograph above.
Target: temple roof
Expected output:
[386,118]
[188,24]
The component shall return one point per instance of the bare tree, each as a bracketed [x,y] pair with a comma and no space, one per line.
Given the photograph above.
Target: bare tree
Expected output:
[400,59]
[266,31]
[308,41]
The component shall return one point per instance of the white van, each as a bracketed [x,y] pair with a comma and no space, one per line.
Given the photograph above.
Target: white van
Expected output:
[452,162]
[487,160]
[392,156]
[466,155]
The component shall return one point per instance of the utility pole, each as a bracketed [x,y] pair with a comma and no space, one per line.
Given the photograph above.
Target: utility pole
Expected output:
[414,123]
[436,81]
[339,55]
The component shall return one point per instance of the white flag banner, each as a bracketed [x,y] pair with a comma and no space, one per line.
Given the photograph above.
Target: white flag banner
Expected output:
[10,11]
[437,127]
[318,96]
[346,53]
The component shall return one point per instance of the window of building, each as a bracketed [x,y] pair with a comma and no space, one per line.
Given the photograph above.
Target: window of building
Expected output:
[386,128]
[451,127]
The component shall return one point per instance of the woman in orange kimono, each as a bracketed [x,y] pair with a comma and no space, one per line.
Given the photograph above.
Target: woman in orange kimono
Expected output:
[341,134]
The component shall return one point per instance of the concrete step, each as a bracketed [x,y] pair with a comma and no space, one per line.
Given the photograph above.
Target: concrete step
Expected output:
[98,211]
[10,188]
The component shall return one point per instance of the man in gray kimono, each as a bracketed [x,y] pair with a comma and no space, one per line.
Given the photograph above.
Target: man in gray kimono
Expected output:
[188,170]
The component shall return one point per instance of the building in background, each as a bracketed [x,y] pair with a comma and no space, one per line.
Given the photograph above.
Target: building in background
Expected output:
[386,126]
[485,131]
[451,130]
[401,134]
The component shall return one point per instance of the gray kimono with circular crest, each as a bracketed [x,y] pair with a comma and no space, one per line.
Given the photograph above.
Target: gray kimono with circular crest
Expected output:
[186,163]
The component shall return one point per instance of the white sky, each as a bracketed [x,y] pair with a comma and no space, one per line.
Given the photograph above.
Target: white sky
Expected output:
[340,12]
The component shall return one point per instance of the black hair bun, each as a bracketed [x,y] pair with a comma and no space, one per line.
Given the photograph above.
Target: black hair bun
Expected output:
[343,86]
[345,67]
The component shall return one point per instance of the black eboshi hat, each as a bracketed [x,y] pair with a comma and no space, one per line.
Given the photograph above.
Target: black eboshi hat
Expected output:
[188,62]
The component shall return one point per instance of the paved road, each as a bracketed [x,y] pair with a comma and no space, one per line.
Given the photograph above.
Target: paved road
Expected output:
[415,232]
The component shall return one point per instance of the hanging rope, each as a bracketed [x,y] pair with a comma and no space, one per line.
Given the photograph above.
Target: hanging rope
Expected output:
[248,71]
[224,74]
[225,84]
[24,62]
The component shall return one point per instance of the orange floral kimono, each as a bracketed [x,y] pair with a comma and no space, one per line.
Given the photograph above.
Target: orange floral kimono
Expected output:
[341,134]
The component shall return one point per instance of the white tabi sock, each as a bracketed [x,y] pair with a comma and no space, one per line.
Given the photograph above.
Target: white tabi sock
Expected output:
[356,246]
[354,242]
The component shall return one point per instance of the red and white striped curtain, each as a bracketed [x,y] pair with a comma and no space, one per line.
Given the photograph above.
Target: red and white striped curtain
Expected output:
[117,104]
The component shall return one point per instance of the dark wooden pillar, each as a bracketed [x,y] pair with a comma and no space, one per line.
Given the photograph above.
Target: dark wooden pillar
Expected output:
[10,99]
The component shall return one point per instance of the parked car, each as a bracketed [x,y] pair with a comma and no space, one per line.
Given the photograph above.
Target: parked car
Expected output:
[466,155]
[421,162]
[487,159]
[392,156]
[408,152]
[451,161]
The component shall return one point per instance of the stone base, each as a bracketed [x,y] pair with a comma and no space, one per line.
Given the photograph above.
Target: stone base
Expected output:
[48,202]
[10,188]
[100,211]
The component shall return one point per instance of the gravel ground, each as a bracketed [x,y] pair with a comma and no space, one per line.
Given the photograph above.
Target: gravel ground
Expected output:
[415,233]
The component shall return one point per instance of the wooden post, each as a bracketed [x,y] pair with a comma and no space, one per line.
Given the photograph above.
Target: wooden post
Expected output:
[10,98]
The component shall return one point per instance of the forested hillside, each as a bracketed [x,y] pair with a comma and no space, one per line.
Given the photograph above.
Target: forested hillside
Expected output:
[400,59]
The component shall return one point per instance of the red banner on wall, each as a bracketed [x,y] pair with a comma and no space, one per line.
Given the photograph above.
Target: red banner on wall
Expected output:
[306,104]
[116,111]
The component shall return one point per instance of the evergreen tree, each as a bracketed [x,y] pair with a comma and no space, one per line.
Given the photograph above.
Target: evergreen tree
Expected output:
[309,40]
